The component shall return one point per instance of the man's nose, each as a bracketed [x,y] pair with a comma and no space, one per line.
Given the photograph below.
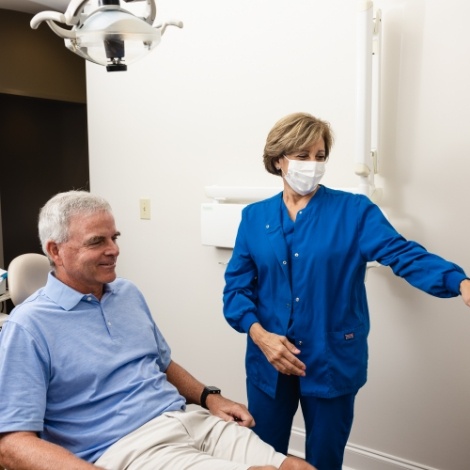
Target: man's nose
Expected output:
[112,248]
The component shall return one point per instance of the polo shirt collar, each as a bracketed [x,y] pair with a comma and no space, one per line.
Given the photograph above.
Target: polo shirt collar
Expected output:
[63,295]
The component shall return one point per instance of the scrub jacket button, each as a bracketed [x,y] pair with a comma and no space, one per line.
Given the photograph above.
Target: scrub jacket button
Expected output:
[267,226]
[300,343]
[296,255]
[89,299]
[284,262]
[297,299]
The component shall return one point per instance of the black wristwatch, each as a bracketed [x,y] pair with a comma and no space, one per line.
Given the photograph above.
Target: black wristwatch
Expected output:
[208,390]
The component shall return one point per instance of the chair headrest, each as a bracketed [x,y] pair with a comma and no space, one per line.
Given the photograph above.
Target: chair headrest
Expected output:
[26,274]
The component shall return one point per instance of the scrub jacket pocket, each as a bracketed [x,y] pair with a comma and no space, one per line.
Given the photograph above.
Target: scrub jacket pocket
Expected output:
[348,354]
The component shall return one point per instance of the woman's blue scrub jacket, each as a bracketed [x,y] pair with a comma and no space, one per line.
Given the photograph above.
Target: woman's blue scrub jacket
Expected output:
[317,289]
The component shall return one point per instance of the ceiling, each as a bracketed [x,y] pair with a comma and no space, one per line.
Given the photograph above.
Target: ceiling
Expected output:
[34,6]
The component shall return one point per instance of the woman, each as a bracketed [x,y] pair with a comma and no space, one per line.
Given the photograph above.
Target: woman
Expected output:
[295,284]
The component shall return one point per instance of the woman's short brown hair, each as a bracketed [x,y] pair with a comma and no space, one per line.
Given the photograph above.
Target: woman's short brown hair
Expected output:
[293,133]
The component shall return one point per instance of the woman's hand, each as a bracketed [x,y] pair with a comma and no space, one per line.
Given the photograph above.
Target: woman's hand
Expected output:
[279,351]
[465,291]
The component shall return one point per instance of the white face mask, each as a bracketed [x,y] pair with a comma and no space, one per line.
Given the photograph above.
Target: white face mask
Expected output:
[303,176]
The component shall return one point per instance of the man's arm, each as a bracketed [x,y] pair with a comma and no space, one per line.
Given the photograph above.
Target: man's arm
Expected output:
[191,389]
[187,385]
[26,451]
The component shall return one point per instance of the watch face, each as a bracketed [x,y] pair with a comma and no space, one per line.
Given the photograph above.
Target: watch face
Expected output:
[212,389]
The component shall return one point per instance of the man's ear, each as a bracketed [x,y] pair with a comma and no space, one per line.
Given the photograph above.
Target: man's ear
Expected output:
[52,249]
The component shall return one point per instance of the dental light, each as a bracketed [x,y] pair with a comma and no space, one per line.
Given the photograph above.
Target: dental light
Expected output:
[103,32]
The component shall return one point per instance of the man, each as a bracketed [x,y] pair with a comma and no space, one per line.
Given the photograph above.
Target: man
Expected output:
[87,379]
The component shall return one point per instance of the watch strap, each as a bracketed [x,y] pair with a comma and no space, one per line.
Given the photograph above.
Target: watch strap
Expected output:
[208,390]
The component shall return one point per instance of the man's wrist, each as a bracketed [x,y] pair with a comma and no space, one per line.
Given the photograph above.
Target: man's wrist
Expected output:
[208,390]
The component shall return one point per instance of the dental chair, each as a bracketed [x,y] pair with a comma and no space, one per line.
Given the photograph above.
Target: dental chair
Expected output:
[26,274]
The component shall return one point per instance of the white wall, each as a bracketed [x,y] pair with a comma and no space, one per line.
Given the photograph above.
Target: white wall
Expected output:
[196,112]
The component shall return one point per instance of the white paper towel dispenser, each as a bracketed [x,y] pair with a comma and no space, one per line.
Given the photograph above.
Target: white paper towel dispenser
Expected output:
[219,224]
[220,219]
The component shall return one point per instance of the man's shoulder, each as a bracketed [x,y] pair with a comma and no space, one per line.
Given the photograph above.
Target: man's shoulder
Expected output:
[121,283]
[123,286]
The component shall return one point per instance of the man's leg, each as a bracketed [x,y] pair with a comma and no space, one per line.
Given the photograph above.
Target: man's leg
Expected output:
[168,442]
[196,441]
[246,446]
[229,441]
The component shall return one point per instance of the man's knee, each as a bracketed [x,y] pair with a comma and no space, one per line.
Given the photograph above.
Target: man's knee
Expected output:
[294,463]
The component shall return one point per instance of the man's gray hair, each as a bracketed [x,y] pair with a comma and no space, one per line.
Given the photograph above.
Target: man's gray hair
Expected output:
[55,215]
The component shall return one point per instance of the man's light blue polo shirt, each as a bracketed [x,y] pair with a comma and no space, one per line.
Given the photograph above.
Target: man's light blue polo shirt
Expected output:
[81,372]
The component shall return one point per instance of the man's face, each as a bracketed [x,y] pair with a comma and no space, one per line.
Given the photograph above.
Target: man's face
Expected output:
[87,260]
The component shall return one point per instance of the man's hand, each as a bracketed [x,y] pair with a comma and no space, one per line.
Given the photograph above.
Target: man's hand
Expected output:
[218,405]
[229,410]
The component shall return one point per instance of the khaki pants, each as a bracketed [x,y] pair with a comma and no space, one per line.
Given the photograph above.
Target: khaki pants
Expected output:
[194,440]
